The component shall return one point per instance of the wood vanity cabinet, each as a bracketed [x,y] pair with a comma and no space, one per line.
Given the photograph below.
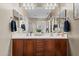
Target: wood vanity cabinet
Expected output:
[39,47]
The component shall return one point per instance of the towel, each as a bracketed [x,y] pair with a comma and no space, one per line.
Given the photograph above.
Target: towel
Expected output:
[67,26]
[13,26]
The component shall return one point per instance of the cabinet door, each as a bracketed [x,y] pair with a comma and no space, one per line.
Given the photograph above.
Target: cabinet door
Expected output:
[39,47]
[49,47]
[61,47]
[28,47]
[17,47]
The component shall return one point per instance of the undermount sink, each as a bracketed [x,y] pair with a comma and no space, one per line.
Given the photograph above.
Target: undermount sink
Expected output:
[40,34]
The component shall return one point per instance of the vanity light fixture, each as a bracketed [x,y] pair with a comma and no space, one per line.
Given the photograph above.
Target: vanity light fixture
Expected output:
[38,5]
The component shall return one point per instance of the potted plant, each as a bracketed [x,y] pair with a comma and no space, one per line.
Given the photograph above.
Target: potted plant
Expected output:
[38,30]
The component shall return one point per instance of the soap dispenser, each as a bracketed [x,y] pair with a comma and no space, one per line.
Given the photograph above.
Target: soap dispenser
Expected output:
[22,25]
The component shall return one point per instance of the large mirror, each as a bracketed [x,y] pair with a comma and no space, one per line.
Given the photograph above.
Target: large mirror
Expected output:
[76,10]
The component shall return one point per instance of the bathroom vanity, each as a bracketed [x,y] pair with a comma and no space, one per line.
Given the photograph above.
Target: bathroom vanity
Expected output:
[39,46]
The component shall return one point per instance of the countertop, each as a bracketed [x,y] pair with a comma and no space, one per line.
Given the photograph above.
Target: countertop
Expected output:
[46,36]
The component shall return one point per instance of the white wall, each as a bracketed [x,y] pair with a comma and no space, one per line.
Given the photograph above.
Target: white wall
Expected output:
[5,34]
[74,38]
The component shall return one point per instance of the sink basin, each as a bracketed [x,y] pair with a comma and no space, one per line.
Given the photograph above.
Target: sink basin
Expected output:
[40,34]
